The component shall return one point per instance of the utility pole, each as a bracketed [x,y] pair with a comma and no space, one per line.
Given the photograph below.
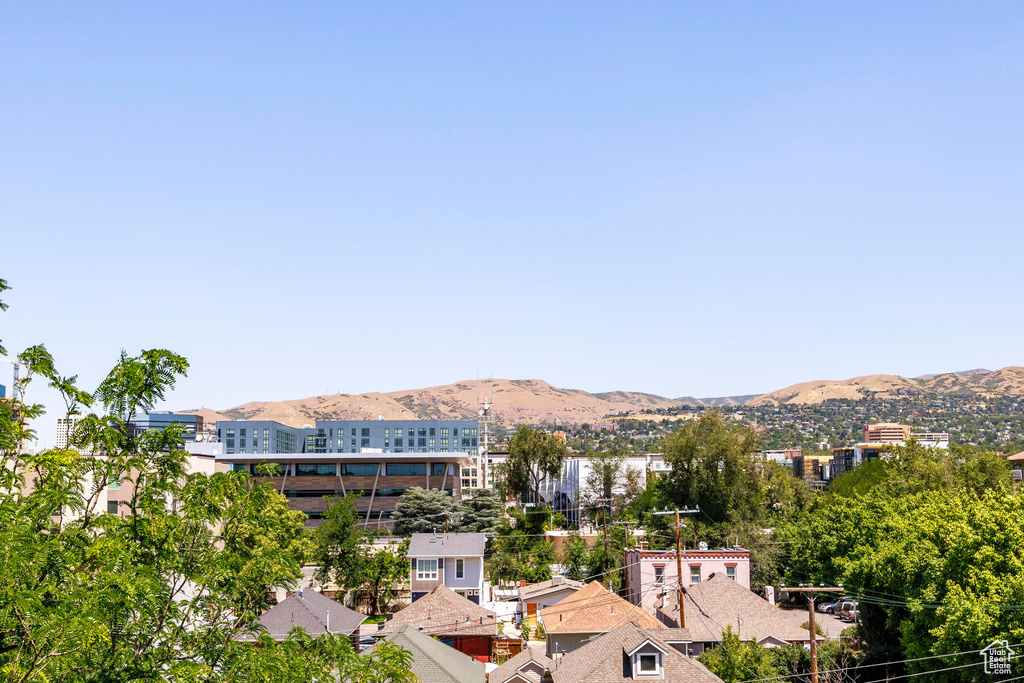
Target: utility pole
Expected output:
[679,557]
[810,591]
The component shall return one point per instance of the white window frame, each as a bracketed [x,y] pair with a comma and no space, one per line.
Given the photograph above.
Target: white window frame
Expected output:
[639,672]
[426,570]
[697,568]
[460,568]
[730,571]
[660,582]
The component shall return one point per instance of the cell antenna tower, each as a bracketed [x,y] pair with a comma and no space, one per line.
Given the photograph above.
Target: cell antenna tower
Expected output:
[484,399]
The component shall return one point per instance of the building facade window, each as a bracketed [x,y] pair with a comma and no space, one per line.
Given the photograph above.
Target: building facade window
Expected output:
[659,574]
[358,470]
[694,573]
[730,571]
[315,470]
[395,469]
[426,570]
[460,568]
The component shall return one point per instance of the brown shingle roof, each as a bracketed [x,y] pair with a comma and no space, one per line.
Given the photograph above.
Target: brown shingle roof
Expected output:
[594,608]
[512,666]
[444,612]
[713,604]
[604,660]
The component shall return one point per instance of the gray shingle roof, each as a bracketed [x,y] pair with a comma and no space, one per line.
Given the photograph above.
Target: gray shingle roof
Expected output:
[604,661]
[447,545]
[435,662]
[512,666]
[555,584]
[313,611]
[715,603]
[444,612]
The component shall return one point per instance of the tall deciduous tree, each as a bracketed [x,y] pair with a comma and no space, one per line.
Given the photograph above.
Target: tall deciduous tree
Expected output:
[533,457]
[344,554]
[712,467]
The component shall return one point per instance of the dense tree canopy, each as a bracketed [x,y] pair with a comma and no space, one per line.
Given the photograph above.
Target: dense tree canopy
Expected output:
[931,543]
[167,589]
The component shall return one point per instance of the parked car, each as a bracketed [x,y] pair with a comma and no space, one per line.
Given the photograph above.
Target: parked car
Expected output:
[826,607]
[848,610]
[830,606]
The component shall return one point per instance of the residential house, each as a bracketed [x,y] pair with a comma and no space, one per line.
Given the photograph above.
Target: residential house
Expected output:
[464,625]
[719,602]
[526,667]
[593,610]
[538,596]
[633,653]
[432,660]
[314,613]
[452,560]
[650,574]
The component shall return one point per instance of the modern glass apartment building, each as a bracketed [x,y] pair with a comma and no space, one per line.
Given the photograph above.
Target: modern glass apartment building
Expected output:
[310,480]
[241,437]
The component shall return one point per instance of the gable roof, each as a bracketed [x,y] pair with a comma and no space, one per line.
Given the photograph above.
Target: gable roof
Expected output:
[715,603]
[433,661]
[447,545]
[312,611]
[592,609]
[555,584]
[510,668]
[443,612]
[602,659]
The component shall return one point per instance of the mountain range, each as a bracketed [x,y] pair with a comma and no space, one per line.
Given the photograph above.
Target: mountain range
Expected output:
[534,401]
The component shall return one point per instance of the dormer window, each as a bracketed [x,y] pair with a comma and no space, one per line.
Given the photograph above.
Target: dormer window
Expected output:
[647,661]
[647,664]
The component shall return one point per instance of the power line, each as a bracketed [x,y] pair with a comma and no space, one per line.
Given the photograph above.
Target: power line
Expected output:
[891,663]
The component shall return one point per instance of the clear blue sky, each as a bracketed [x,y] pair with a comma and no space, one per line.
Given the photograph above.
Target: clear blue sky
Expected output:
[680,198]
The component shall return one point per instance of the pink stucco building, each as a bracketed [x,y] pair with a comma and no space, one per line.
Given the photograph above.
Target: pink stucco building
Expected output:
[651,573]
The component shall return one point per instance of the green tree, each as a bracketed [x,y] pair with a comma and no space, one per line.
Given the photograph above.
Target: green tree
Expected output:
[576,557]
[712,467]
[519,551]
[338,551]
[480,511]
[168,591]
[610,484]
[385,569]
[934,571]
[422,511]
[533,456]
[739,660]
